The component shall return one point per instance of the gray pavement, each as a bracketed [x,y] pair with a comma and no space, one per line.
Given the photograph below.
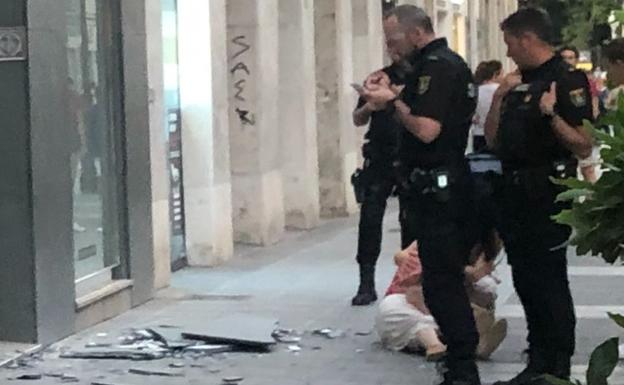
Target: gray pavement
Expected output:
[306,282]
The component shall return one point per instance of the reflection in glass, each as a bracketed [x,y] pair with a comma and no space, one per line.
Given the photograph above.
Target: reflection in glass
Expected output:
[93,131]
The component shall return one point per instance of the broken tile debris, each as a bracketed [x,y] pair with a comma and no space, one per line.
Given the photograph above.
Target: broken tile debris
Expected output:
[29,377]
[329,333]
[111,354]
[153,372]
[69,378]
[287,336]
[108,383]
[232,380]
[209,349]
[294,348]
[182,345]
[244,330]
[98,345]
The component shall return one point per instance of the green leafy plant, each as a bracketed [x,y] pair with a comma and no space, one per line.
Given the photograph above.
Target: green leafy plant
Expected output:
[597,217]
[574,20]
[597,213]
[602,362]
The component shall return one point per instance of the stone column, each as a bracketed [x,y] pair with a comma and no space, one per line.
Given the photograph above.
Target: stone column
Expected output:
[158,147]
[376,45]
[512,6]
[459,32]
[473,33]
[368,43]
[221,190]
[368,52]
[419,3]
[297,117]
[258,197]
[361,55]
[493,41]
[205,132]
[336,135]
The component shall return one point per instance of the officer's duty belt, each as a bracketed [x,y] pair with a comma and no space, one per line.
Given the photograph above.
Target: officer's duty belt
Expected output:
[556,169]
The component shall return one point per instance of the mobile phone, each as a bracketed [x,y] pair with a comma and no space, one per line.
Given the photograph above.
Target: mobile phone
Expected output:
[358,87]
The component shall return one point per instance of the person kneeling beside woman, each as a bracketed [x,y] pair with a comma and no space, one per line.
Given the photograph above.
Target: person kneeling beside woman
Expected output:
[404,322]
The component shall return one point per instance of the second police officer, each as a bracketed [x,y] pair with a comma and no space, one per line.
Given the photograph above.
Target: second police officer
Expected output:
[375,182]
[436,108]
[535,125]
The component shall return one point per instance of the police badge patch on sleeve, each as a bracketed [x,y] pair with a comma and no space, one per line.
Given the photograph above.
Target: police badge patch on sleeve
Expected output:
[423,84]
[578,97]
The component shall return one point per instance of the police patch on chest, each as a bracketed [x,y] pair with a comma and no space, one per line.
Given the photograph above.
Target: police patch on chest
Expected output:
[578,97]
[423,84]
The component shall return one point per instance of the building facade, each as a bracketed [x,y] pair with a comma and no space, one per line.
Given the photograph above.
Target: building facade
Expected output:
[142,136]
[79,188]
[282,146]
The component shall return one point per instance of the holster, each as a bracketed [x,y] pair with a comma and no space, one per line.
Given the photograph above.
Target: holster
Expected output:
[359,185]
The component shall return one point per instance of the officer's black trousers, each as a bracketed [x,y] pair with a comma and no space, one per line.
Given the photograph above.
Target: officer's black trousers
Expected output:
[539,265]
[371,219]
[439,227]
[541,282]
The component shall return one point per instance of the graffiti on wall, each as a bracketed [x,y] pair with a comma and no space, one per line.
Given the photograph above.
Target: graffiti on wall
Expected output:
[240,76]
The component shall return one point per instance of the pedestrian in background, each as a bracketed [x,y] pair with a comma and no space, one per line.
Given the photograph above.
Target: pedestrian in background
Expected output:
[570,55]
[487,76]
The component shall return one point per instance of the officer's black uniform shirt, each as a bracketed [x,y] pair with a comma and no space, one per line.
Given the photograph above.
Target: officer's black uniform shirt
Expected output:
[441,87]
[384,130]
[525,136]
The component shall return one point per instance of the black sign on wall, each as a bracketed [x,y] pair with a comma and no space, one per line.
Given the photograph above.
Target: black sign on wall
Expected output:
[13,44]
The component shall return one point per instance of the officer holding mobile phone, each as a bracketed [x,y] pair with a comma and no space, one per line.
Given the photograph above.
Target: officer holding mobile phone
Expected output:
[374,182]
[436,109]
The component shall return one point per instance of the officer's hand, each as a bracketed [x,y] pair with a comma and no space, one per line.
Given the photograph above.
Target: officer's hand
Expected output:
[509,82]
[379,95]
[548,100]
[376,79]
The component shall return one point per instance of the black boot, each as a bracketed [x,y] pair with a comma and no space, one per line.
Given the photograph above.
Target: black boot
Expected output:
[540,363]
[463,372]
[562,366]
[366,292]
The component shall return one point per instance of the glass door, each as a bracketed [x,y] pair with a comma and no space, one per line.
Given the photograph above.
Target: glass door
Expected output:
[94,133]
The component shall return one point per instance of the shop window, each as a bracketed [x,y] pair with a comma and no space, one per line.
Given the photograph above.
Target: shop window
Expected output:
[94,135]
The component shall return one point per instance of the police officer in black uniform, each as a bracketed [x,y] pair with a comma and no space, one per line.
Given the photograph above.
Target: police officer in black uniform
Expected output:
[375,182]
[535,125]
[436,108]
